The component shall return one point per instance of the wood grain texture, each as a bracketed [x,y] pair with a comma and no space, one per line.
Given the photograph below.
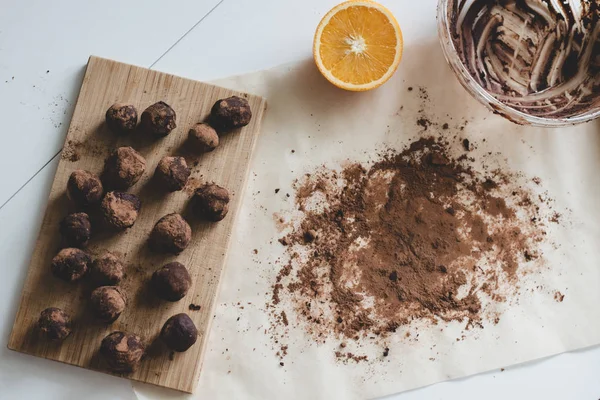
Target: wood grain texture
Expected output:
[87,144]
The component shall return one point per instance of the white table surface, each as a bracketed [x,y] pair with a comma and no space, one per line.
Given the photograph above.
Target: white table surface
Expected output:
[44,46]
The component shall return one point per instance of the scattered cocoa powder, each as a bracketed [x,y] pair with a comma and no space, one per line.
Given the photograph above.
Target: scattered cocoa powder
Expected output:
[559,297]
[74,150]
[423,122]
[70,151]
[191,185]
[350,357]
[416,235]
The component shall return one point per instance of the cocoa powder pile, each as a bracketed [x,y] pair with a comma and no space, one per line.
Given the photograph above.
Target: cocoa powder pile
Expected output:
[416,235]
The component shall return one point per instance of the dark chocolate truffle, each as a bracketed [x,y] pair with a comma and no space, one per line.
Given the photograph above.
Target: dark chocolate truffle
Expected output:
[54,324]
[108,302]
[123,168]
[159,119]
[203,138]
[120,209]
[172,173]
[211,202]
[70,264]
[121,118]
[84,188]
[171,234]
[122,351]
[76,229]
[107,269]
[179,332]
[172,281]
[230,113]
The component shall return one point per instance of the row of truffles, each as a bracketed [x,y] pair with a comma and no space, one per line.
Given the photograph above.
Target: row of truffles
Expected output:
[71,264]
[122,351]
[160,119]
[120,209]
[124,167]
[170,282]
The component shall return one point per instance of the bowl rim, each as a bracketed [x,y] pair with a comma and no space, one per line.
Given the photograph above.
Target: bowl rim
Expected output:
[481,94]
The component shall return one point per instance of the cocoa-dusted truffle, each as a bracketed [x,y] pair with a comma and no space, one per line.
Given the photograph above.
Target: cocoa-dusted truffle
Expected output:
[230,113]
[123,168]
[211,202]
[70,264]
[179,332]
[203,137]
[120,209]
[172,281]
[172,173]
[84,188]
[159,119]
[122,118]
[76,229]
[122,351]
[107,269]
[54,324]
[108,302]
[171,234]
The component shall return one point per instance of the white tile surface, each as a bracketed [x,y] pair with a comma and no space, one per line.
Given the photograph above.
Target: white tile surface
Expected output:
[244,36]
[44,47]
[238,37]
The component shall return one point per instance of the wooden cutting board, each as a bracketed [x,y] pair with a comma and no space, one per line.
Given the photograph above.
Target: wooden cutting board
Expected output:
[87,144]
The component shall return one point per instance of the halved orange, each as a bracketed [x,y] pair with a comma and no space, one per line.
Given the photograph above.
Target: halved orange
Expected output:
[358,45]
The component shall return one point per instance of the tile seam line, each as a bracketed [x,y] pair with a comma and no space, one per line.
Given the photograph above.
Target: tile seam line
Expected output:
[188,32]
[151,65]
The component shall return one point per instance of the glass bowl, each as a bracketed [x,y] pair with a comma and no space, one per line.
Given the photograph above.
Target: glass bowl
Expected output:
[535,62]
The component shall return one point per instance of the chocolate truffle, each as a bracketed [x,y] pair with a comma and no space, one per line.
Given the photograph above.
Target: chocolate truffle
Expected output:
[70,264]
[211,202]
[123,168]
[172,173]
[107,269]
[120,209]
[122,351]
[179,332]
[76,229]
[203,138]
[108,302]
[159,119]
[121,118]
[230,113]
[171,234]
[84,188]
[54,324]
[172,281]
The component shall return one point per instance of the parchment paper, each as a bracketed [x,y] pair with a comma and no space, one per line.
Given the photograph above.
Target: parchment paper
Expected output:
[325,125]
